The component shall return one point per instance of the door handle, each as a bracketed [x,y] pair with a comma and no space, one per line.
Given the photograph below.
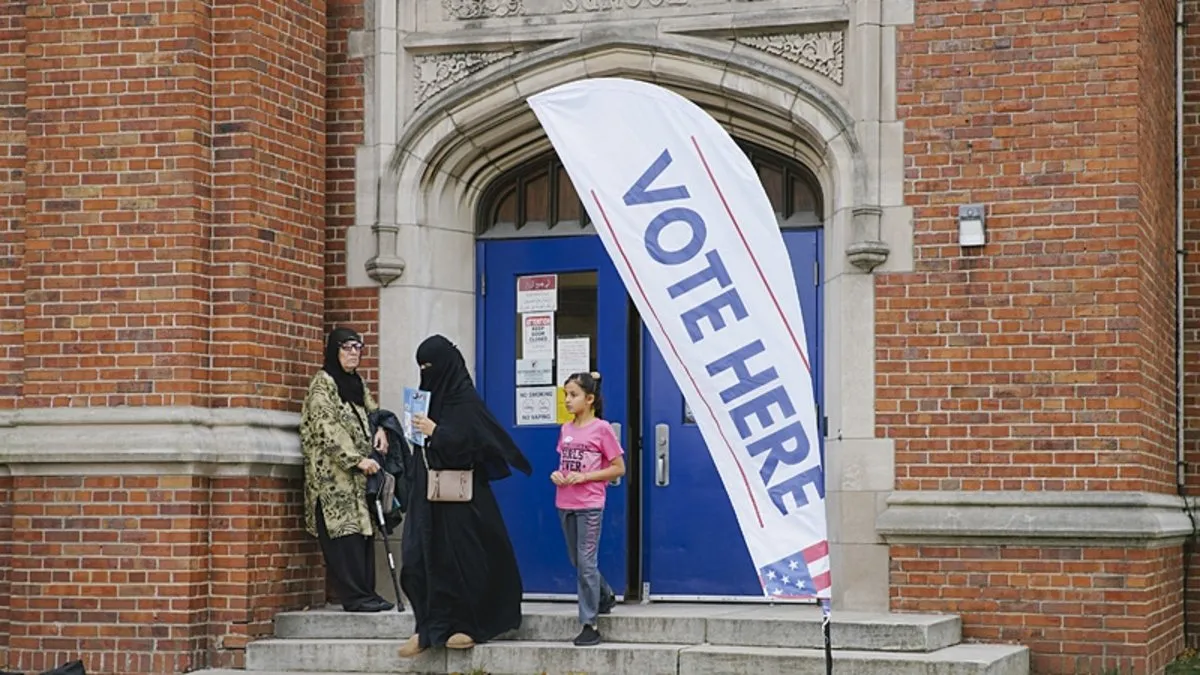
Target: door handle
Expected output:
[662,455]
[616,427]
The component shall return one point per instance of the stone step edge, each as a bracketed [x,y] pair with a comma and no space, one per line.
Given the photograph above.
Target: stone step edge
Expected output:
[234,671]
[966,647]
[893,619]
[857,632]
[517,643]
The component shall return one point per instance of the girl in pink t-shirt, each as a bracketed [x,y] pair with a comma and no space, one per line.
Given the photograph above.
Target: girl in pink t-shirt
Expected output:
[589,457]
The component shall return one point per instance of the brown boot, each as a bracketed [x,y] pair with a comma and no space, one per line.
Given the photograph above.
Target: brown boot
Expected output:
[460,641]
[411,647]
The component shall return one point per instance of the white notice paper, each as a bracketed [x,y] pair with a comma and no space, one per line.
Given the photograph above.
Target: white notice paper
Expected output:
[533,372]
[536,405]
[537,331]
[537,293]
[574,356]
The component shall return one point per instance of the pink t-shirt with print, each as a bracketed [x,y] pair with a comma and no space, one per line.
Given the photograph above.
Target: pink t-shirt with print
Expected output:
[592,447]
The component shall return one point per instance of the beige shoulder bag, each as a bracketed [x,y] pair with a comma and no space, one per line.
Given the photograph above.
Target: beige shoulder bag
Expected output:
[448,485]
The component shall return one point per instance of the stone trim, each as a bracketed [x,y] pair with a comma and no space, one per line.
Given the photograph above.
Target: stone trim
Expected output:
[74,441]
[434,72]
[482,9]
[1136,519]
[822,52]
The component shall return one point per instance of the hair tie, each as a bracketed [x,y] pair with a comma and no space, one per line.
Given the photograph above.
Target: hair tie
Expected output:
[595,375]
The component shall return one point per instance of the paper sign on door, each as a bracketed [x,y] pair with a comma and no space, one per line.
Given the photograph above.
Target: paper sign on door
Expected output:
[537,293]
[534,372]
[536,405]
[538,336]
[574,356]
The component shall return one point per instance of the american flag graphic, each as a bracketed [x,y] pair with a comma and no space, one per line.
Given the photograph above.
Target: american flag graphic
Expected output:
[802,574]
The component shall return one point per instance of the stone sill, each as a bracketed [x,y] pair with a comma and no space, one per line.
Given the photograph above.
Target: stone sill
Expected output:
[79,441]
[1113,519]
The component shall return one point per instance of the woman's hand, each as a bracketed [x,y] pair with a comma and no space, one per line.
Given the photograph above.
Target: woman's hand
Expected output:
[381,443]
[368,466]
[557,478]
[574,478]
[424,425]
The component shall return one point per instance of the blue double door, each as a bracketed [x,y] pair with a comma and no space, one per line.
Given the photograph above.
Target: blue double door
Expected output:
[669,529]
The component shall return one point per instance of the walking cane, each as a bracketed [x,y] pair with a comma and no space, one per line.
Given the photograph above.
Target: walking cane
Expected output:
[388,548]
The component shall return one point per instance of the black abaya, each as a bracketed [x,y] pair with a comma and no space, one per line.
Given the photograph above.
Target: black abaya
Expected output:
[459,569]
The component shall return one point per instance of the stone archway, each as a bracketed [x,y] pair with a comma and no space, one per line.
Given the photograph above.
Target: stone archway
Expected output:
[472,132]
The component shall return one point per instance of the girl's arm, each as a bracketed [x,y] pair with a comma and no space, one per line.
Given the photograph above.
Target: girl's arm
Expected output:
[612,472]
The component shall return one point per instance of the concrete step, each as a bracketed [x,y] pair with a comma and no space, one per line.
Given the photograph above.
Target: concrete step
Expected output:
[339,656]
[965,659]
[229,671]
[551,658]
[687,624]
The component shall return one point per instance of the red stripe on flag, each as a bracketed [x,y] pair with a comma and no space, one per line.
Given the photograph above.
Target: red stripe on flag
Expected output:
[815,552]
[821,581]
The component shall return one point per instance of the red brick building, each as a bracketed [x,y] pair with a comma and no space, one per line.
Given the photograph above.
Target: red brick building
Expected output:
[193,192]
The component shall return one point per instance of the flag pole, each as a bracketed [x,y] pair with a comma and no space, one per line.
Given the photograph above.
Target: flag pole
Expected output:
[825,626]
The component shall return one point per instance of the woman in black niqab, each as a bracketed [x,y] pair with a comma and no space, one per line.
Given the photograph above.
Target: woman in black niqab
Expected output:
[459,569]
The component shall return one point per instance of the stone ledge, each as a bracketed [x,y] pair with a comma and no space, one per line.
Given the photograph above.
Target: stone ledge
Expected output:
[227,441]
[1133,519]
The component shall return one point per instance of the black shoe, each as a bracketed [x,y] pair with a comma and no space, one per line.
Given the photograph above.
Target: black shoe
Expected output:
[606,605]
[588,637]
[375,605]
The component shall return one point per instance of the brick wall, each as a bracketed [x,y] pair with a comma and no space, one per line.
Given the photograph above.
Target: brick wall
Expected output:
[1043,361]
[344,119]
[162,243]
[1191,322]
[116,204]
[1079,610]
[12,200]
[1019,366]
[268,191]
[120,570]
[5,562]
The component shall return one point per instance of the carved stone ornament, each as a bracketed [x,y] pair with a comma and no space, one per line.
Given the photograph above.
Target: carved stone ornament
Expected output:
[821,52]
[482,9]
[434,72]
[867,255]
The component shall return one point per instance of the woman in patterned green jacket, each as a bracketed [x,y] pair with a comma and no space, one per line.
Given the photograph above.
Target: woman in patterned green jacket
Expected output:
[336,443]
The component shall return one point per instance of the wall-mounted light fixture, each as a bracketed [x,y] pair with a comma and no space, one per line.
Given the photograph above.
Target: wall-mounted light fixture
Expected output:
[971,230]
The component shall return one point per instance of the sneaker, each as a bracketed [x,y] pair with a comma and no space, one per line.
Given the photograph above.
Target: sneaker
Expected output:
[588,637]
[606,605]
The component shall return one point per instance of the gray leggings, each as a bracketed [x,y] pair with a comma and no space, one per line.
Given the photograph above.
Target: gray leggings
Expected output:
[582,532]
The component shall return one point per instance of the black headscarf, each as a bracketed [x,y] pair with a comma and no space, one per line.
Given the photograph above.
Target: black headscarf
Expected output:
[454,401]
[350,385]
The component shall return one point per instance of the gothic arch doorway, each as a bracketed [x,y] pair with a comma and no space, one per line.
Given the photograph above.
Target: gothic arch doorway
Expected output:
[537,199]
[551,303]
